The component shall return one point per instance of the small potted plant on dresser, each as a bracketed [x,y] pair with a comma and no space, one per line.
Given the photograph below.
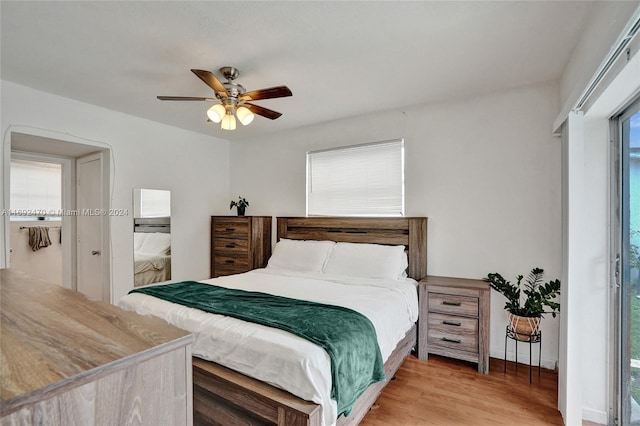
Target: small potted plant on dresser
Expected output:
[527,303]
[240,205]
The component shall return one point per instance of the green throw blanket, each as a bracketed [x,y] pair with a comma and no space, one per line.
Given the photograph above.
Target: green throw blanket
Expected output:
[348,336]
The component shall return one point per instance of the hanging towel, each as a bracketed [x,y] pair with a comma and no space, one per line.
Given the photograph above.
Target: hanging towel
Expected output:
[39,237]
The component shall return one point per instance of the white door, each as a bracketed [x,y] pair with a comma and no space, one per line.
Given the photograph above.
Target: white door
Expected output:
[627,244]
[91,213]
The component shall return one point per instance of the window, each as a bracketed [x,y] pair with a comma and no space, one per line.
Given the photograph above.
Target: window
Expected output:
[36,189]
[155,203]
[359,180]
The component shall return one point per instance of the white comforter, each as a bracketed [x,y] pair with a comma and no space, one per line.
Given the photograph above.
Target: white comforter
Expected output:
[144,262]
[278,357]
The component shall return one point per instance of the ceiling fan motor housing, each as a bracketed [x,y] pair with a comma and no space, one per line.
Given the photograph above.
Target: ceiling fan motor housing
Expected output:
[234,89]
[230,73]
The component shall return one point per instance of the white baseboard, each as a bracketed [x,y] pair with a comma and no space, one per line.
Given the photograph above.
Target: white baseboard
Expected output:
[595,416]
[523,355]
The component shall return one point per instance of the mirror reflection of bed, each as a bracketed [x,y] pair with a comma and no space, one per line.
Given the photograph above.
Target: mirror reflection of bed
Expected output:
[151,236]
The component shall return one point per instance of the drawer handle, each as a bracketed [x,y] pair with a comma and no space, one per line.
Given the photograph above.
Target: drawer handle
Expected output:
[446,339]
[451,303]
[230,229]
[229,261]
[230,245]
[457,324]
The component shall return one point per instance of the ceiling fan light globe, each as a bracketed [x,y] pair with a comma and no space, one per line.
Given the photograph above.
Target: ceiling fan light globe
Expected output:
[245,115]
[216,113]
[228,122]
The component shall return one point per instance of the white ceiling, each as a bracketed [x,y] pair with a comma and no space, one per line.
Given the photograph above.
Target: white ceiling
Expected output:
[340,59]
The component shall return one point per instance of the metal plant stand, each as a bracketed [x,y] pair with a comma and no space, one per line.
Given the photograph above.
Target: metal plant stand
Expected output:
[531,339]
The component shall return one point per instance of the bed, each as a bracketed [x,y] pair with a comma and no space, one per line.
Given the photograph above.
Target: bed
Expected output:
[224,396]
[151,250]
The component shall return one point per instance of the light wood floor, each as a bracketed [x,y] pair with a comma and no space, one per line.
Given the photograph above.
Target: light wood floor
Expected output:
[447,392]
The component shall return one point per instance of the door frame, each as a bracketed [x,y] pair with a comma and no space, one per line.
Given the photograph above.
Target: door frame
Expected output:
[107,180]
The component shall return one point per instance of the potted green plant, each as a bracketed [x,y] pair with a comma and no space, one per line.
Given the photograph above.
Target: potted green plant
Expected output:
[240,205]
[527,302]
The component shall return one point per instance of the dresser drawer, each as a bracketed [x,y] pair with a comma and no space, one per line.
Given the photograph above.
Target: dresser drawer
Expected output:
[230,245]
[453,304]
[230,270]
[231,229]
[226,261]
[444,331]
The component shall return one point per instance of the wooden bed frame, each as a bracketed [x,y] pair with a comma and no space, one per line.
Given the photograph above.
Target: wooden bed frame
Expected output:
[152,224]
[224,397]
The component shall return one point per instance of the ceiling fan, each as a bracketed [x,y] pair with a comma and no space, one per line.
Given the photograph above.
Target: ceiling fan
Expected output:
[234,99]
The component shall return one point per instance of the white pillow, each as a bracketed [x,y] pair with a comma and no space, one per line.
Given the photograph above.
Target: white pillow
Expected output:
[367,261]
[156,242]
[138,239]
[300,255]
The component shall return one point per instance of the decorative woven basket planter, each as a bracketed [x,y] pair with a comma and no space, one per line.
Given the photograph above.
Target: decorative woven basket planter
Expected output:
[524,327]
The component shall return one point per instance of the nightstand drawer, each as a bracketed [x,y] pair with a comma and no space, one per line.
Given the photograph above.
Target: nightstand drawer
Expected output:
[453,304]
[450,324]
[453,332]
[460,343]
[231,229]
[230,245]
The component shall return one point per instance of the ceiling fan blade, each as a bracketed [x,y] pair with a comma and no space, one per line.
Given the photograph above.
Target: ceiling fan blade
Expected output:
[184,98]
[268,113]
[211,81]
[270,93]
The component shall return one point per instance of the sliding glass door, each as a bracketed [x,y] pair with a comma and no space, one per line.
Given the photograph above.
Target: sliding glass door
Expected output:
[627,271]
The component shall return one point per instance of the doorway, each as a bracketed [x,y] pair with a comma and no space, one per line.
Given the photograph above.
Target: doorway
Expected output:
[37,198]
[82,217]
[627,240]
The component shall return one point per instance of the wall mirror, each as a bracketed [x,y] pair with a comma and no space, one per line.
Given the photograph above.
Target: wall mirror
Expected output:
[151,236]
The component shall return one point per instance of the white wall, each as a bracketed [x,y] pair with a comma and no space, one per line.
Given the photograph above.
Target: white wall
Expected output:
[486,171]
[593,292]
[584,360]
[146,154]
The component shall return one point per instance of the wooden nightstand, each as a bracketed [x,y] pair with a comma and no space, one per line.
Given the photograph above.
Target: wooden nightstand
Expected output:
[454,319]
[239,244]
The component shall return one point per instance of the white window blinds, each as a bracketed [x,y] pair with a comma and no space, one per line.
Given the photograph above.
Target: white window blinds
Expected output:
[36,188]
[360,180]
[155,203]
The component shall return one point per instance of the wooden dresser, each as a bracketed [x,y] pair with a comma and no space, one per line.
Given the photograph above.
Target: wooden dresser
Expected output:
[454,319]
[67,360]
[239,244]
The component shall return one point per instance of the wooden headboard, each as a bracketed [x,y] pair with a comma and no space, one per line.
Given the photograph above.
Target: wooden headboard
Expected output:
[152,224]
[408,231]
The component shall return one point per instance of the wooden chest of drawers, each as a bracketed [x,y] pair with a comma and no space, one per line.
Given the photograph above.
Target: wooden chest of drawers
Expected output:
[239,243]
[454,319]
